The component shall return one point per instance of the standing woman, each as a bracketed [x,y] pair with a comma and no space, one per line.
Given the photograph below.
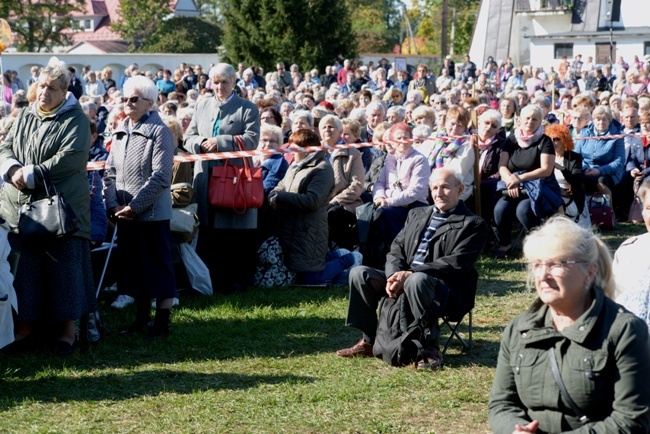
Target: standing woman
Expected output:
[53,279]
[137,184]
[225,237]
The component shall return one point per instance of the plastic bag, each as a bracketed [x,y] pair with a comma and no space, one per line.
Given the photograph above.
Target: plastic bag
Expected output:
[197,271]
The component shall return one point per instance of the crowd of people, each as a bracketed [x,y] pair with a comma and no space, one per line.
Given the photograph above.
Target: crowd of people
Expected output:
[457,156]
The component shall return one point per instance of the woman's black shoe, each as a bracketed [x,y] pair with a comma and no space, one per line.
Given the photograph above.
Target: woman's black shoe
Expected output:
[136,327]
[161,324]
[64,349]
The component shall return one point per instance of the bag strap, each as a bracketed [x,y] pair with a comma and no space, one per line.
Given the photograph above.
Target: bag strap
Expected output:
[47,182]
[565,393]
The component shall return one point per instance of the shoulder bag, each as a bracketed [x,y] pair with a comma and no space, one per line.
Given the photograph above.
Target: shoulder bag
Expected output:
[584,419]
[236,187]
[49,218]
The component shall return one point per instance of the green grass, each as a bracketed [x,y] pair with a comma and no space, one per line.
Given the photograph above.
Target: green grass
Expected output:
[262,362]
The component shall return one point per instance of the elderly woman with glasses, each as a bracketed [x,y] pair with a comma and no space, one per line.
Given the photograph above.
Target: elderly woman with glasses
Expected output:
[575,361]
[223,242]
[137,183]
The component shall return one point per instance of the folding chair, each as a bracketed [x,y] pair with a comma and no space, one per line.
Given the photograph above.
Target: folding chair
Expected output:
[453,325]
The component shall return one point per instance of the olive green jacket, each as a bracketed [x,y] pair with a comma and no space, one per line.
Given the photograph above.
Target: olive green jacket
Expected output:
[58,143]
[604,361]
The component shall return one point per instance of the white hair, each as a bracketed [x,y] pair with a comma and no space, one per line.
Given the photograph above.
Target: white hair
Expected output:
[223,70]
[141,85]
[414,95]
[490,115]
[302,114]
[358,114]
[57,70]
[274,130]
[374,105]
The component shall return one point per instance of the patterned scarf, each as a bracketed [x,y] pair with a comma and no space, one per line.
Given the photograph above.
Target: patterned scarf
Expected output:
[443,151]
[526,141]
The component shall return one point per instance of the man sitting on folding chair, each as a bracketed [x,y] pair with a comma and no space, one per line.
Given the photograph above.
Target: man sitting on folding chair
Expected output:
[431,263]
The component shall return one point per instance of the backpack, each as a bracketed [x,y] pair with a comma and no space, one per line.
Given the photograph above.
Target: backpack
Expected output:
[397,342]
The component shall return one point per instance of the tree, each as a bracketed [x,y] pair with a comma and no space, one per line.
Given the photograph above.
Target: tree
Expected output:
[461,16]
[140,20]
[184,35]
[307,32]
[43,25]
[375,24]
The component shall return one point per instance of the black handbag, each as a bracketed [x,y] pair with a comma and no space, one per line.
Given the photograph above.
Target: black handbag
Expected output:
[49,218]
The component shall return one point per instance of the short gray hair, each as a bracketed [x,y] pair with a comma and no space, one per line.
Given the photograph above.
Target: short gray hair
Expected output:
[333,119]
[374,106]
[602,110]
[274,130]
[398,111]
[223,70]
[490,115]
[302,114]
[531,109]
[141,85]
[57,70]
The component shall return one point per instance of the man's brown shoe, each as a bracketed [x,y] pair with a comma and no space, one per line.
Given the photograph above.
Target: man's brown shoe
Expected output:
[433,359]
[361,348]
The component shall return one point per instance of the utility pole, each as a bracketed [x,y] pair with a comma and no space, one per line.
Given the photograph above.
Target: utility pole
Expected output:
[453,31]
[443,37]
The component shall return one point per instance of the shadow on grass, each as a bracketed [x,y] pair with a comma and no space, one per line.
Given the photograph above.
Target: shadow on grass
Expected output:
[131,385]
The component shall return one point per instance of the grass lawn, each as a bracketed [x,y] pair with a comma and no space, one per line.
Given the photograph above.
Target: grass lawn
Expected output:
[262,362]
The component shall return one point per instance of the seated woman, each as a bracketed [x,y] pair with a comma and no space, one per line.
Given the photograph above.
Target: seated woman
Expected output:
[507,109]
[348,180]
[378,163]
[568,172]
[453,149]
[299,119]
[299,250]
[603,160]
[528,155]
[580,118]
[632,267]
[401,186]
[490,144]
[599,351]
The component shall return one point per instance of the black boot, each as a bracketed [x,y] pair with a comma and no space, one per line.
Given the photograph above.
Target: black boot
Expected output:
[142,317]
[161,324]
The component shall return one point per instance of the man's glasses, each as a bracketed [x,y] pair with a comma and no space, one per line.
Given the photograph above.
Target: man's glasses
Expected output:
[133,99]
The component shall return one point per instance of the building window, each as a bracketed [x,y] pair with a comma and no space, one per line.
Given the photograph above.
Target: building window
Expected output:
[646,48]
[563,50]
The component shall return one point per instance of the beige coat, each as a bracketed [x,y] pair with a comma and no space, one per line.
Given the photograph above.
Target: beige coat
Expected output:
[348,178]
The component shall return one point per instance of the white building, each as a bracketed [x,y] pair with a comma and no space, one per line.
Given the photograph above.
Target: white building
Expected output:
[540,32]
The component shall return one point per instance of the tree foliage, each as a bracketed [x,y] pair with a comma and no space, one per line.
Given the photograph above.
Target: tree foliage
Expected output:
[376,24]
[40,26]
[184,35]
[140,20]
[427,16]
[307,32]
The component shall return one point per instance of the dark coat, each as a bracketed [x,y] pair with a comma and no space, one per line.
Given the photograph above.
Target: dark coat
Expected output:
[572,171]
[454,249]
[302,200]
[490,167]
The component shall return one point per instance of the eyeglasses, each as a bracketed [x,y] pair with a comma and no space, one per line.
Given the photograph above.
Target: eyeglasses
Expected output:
[133,99]
[554,268]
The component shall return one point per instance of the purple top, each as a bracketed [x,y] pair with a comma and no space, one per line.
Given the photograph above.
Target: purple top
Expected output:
[403,180]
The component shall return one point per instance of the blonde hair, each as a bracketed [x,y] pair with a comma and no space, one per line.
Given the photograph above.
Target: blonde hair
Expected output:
[561,236]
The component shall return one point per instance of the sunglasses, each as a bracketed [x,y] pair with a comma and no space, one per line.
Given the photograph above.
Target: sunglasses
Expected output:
[133,99]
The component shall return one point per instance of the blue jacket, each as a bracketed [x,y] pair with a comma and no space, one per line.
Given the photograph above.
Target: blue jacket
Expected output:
[273,171]
[608,156]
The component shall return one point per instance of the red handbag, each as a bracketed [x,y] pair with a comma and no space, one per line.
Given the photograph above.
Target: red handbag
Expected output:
[236,187]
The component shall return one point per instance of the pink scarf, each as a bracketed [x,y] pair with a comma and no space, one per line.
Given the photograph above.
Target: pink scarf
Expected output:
[482,146]
[526,141]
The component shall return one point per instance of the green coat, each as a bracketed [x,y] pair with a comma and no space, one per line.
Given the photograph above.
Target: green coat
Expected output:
[604,361]
[302,199]
[58,143]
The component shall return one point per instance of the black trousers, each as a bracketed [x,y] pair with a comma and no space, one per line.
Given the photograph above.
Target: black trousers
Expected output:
[368,287]
[230,255]
[342,227]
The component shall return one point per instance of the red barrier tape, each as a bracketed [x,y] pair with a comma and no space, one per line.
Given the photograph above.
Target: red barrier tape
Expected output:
[212,156]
